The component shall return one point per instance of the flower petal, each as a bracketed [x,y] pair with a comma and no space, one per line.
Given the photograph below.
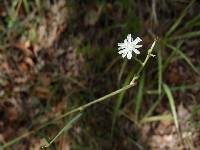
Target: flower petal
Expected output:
[129,38]
[136,51]
[124,55]
[137,40]
[121,51]
[120,44]
[129,55]
[120,48]
[138,46]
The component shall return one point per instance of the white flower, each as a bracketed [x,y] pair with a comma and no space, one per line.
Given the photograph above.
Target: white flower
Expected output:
[129,46]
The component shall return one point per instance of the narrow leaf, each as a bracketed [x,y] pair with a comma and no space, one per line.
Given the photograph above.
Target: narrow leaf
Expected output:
[159,70]
[139,97]
[179,20]
[172,104]
[184,56]
[65,128]
[157,118]
[119,101]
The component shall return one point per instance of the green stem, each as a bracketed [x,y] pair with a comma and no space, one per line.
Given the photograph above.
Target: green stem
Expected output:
[81,108]
[139,61]
[66,127]
[149,54]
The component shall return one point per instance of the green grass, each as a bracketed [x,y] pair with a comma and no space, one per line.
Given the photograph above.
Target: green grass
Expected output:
[119,100]
[179,20]
[175,35]
[156,118]
[172,104]
[173,54]
[153,106]
[26,6]
[181,88]
[183,56]
[160,69]
[139,97]
[178,34]
[64,129]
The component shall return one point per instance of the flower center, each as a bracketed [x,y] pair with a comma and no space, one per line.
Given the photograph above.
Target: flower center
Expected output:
[130,46]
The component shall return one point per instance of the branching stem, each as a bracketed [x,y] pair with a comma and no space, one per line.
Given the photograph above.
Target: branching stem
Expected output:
[83,107]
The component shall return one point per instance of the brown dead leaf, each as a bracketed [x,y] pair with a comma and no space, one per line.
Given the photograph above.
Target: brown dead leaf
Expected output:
[29,61]
[42,92]
[24,46]
[12,114]
[51,27]
[23,67]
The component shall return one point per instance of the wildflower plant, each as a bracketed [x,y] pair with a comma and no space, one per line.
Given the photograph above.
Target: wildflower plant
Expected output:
[127,49]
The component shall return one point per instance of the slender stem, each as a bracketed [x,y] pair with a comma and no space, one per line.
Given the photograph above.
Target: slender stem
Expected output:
[81,108]
[149,54]
[78,109]
[66,127]
[136,59]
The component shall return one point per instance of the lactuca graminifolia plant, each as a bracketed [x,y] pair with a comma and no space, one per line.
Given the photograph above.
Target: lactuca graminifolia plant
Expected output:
[127,48]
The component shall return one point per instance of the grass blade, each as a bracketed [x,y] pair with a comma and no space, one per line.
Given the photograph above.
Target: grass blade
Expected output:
[153,106]
[157,118]
[26,6]
[179,20]
[190,24]
[181,88]
[159,70]
[65,128]
[183,56]
[122,71]
[139,97]
[119,101]
[52,146]
[173,53]
[185,36]
[172,104]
